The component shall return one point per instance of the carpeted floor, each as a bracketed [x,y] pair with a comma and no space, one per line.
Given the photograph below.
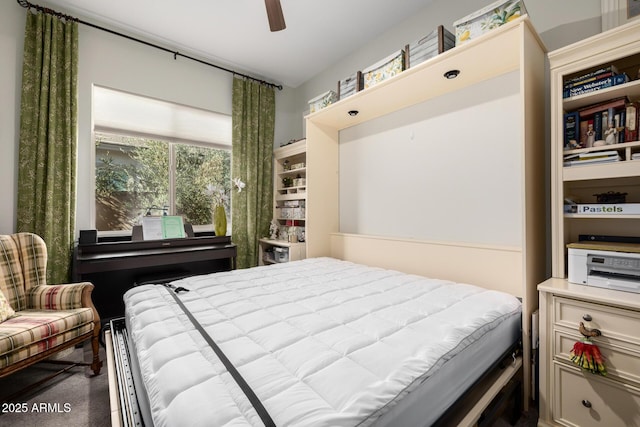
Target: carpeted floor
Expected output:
[75,398]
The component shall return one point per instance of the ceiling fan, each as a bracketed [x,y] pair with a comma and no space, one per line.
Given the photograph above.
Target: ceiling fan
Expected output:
[274,13]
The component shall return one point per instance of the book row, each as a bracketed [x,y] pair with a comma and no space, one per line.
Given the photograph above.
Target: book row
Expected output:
[610,122]
[595,80]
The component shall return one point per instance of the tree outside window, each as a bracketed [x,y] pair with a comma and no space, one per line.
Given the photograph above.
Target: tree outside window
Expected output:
[136,176]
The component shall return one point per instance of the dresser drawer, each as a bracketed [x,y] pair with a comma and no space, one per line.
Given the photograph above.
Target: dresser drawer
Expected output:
[586,400]
[614,323]
[621,361]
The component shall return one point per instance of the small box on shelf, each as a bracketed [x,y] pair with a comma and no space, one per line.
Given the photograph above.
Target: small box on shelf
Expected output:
[281,254]
[434,43]
[322,101]
[383,69]
[350,85]
[488,18]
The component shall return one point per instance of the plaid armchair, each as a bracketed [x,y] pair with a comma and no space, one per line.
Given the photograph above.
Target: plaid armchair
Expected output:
[36,319]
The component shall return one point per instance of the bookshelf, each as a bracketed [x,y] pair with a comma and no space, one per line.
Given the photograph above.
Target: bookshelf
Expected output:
[569,396]
[289,205]
[621,48]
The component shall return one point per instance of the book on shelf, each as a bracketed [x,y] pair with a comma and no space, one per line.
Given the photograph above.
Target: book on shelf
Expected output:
[607,71]
[603,209]
[571,128]
[620,120]
[595,85]
[598,123]
[612,104]
[596,119]
[591,158]
[631,122]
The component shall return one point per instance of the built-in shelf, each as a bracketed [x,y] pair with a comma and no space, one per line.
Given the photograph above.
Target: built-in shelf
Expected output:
[495,53]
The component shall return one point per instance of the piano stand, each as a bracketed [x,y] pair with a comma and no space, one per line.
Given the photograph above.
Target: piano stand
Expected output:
[116,266]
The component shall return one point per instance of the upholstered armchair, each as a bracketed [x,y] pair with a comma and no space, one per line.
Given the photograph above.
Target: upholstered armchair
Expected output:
[36,319]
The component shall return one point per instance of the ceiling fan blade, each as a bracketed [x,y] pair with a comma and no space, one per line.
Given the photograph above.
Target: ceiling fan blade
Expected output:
[274,13]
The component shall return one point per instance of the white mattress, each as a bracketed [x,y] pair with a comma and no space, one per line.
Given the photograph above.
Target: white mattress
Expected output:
[321,342]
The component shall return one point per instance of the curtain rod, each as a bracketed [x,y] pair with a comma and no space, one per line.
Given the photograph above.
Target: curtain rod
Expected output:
[27,5]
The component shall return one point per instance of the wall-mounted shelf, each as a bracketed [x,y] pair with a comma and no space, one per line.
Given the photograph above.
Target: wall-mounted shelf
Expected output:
[493,54]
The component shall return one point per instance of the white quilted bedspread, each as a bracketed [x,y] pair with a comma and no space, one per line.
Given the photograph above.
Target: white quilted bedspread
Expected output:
[322,342]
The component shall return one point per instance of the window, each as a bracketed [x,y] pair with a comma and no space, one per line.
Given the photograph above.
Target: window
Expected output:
[136,176]
[154,157]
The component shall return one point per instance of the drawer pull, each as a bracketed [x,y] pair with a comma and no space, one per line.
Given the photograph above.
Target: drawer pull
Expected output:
[587,318]
[589,333]
[586,403]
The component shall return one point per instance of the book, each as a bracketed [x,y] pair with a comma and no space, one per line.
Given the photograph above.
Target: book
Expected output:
[588,80]
[162,227]
[609,69]
[571,128]
[620,124]
[612,104]
[584,128]
[597,125]
[604,209]
[591,158]
[595,85]
[631,124]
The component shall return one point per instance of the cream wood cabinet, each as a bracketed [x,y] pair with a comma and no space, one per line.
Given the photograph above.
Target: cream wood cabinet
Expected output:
[513,52]
[568,396]
[289,205]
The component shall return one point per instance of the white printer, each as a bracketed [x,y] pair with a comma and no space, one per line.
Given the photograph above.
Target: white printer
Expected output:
[605,265]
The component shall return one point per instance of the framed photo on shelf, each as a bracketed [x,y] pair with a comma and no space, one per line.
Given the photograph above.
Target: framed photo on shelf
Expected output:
[619,12]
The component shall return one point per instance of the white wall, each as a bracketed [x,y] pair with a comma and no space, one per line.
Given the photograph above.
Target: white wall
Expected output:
[441,170]
[12,19]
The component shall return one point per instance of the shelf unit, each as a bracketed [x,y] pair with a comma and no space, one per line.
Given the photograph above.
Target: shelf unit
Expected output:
[289,205]
[569,396]
[621,47]
[514,47]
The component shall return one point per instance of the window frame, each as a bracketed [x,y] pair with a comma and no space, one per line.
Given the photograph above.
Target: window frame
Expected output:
[182,110]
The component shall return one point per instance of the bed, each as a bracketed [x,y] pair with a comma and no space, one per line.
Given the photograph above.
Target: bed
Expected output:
[318,342]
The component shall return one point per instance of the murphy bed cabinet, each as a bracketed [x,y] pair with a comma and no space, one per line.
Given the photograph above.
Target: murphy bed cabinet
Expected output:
[289,205]
[568,395]
[513,52]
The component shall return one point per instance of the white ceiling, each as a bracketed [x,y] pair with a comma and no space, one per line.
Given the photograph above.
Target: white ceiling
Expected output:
[235,33]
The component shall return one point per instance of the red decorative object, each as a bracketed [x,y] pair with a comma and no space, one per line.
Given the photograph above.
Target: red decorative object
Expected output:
[587,355]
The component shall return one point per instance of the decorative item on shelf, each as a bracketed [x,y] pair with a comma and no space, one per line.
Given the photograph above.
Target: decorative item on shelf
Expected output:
[283,234]
[287,181]
[218,199]
[350,85]
[384,69]
[285,165]
[611,197]
[433,44]
[322,101]
[273,229]
[488,18]
[586,354]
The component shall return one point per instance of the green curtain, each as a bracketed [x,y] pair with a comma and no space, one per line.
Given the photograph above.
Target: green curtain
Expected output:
[253,117]
[48,137]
